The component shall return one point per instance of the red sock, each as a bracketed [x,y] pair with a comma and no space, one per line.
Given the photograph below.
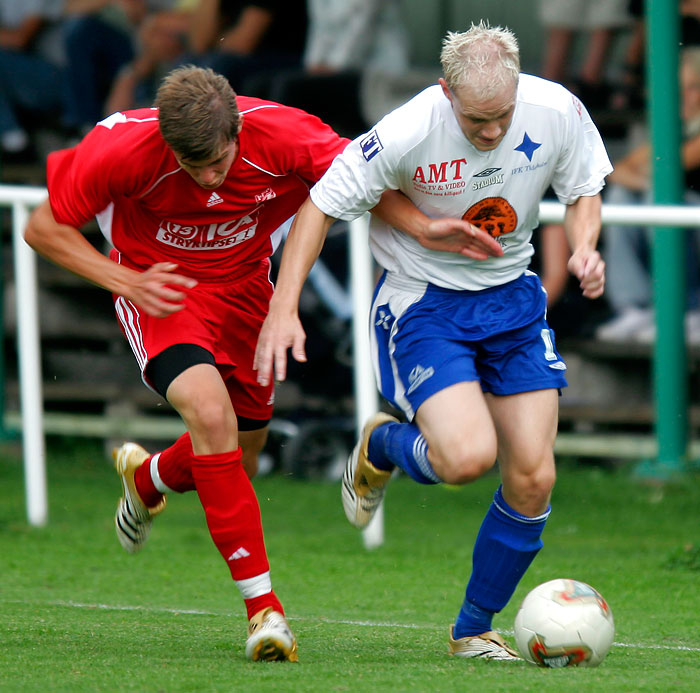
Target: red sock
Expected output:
[262,602]
[232,512]
[175,465]
[150,495]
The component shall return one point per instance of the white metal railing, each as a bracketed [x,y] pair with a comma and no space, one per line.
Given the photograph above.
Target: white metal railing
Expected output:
[28,347]
[21,199]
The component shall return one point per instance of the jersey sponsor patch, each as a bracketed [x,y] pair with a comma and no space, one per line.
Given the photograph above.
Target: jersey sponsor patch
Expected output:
[486,182]
[208,236]
[268,194]
[371,145]
[495,215]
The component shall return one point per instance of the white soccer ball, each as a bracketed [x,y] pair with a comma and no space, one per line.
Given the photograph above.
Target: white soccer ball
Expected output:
[564,623]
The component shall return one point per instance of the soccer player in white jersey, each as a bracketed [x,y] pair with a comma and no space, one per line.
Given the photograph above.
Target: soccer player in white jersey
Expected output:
[459,338]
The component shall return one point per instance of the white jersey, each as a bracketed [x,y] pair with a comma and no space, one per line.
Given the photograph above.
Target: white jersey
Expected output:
[420,150]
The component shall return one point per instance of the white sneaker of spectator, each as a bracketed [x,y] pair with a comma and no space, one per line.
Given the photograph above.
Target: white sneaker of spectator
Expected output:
[630,325]
[692,327]
[691,324]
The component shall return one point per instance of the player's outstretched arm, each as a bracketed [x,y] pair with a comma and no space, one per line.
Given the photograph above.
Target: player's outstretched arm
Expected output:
[582,225]
[282,328]
[155,290]
[447,234]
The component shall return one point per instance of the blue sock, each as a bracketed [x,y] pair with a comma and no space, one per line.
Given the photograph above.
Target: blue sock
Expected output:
[402,445]
[472,620]
[506,545]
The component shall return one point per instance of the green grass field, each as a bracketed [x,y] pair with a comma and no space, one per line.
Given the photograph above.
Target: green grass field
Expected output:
[78,614]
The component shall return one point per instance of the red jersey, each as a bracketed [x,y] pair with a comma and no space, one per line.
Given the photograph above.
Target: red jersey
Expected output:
[124,174]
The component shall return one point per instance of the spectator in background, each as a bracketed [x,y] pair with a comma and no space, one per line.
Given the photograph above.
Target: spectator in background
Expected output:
[627,249]
[101,38]
[631,91]
[248,41]
[346,40]
[601,22]
[162,43]
[568,313]
[31,73]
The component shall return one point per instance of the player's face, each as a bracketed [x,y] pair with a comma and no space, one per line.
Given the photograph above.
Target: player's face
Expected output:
[484,122]
[210,173]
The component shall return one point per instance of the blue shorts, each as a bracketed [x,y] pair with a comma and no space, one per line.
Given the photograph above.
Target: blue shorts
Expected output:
[426,338]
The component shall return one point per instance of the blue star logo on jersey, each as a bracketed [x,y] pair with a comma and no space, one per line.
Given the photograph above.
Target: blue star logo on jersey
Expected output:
[527,147]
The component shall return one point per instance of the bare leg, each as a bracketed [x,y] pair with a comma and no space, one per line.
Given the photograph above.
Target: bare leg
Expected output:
[556,55]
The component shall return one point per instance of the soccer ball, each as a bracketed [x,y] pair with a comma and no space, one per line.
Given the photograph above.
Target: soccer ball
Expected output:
[563,623]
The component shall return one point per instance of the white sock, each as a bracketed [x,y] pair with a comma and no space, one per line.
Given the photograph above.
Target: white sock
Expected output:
[155,476]
[255,586]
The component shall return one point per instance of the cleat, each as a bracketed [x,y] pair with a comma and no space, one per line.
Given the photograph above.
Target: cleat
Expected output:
[270,639]
[485,646]
[364,485]
[133,518]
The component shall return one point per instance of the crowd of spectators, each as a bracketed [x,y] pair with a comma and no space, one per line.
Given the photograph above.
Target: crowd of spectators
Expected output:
[609,77]
[65,64]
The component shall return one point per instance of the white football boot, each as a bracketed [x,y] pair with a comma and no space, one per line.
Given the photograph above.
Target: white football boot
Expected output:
[364,485]
[133,518]
[270,639]
[488,645]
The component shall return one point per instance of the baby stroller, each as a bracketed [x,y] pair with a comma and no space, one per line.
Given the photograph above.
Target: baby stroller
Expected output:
[313,431]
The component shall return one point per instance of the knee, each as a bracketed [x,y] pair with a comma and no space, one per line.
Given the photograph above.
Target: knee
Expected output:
[211,415]
[211,424]
[529,493]
[464,463]
[539,484]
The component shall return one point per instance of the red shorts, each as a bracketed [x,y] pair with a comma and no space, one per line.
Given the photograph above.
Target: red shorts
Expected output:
[225,319]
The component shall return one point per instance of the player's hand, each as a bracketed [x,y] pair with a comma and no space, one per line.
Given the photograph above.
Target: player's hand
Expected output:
[459,236]
[155,290]
[280,331]
[589,268]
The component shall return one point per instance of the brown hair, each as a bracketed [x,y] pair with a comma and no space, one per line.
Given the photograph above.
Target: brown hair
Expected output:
[198,112]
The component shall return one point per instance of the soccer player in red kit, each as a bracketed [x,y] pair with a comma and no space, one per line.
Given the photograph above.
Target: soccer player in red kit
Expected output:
[190,195]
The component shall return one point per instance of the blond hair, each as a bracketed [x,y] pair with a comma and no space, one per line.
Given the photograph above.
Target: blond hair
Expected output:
[483,58]
[198,112]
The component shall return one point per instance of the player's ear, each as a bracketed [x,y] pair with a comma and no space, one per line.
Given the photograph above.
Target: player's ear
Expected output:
[240,125]
[445,89]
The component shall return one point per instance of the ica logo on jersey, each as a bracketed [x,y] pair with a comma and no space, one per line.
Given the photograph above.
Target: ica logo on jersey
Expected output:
[208,236]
